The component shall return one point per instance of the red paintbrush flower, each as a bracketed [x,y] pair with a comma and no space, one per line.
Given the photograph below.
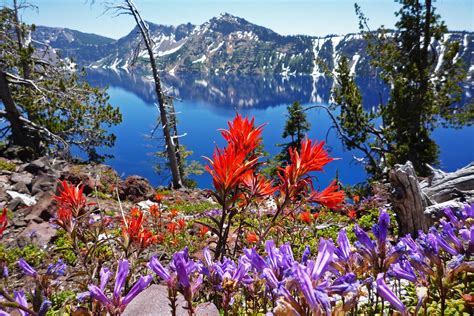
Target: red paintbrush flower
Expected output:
[3,221]
[306,217]
[71,197]
[352,213]
[203,230]
[258,186]
[329,197]
[134,229]
[356,199]
[155,211]
[171,227]
[294,178]
[173,213]
[158,198]
[182,224]
[243,135]
[229,167]
[252,238]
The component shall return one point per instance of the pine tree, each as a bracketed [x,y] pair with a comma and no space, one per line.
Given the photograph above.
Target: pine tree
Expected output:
[424,91]
[48,106]
[296,127]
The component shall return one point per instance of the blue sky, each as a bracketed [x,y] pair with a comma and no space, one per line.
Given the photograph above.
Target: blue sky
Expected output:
[311,17]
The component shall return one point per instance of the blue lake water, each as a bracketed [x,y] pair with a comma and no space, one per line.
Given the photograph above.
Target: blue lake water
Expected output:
[207,104]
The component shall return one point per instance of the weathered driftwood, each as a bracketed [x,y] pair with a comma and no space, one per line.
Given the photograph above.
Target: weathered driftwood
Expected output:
[407,200]
[418,202]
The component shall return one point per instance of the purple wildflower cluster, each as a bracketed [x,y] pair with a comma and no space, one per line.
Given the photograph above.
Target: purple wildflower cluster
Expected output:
[341,272]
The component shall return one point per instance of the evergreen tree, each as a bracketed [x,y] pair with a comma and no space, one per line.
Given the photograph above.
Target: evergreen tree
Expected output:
[296,126]
[48,105]
[425,92]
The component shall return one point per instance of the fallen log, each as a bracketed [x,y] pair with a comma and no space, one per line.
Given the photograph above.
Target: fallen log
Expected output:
[418,202]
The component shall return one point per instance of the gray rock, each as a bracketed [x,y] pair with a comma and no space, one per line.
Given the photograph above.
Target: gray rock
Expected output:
[154,302]
[37,233]
[41,164]
[43,210]
[21,188]
[44,182]
[24,178]
[13,204]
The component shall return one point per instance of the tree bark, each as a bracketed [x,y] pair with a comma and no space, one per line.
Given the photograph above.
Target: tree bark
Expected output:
[407,200]
[170,147]
[20,135]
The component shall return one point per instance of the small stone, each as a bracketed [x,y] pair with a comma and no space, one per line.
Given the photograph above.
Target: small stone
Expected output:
[154,301]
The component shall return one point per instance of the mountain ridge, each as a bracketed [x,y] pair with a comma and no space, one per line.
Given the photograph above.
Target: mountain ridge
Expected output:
[225,44]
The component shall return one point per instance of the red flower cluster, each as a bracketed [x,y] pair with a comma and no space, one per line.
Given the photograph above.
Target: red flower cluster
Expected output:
[229,166]
[3,221]
[329,197]
[134,229]
[294,178]
[71,197]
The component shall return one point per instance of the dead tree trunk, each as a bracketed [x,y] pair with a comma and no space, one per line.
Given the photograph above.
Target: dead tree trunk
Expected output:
[170,145]
[407,200]
[418,203]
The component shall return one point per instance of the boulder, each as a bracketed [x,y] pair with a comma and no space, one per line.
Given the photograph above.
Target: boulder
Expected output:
[37,233]
[154,302]
[44,182]
[22,177]
[136,189]
[43,210]
[20,187]
[40,164]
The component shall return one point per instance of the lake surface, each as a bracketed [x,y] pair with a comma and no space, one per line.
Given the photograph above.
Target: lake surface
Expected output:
[206,104]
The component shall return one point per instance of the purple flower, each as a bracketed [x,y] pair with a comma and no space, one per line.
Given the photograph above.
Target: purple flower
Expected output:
[57,269]
[315,297]
[20,298]
[137,288]
[364,239]
[306,255]
[26,268]
[380,230]
[117,303]
[403,270]
[325,255]
[387,294]
[344,249]
[120,277]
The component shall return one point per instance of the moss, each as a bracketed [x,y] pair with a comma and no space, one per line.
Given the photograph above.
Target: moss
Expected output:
[6,165]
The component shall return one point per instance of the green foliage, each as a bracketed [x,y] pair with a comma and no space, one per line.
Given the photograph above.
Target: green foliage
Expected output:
[424,92]
[193,207]
[63,247]
[59,300]
[296,126]
[33,254]
[6,165]
[189,168]
[57,98]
